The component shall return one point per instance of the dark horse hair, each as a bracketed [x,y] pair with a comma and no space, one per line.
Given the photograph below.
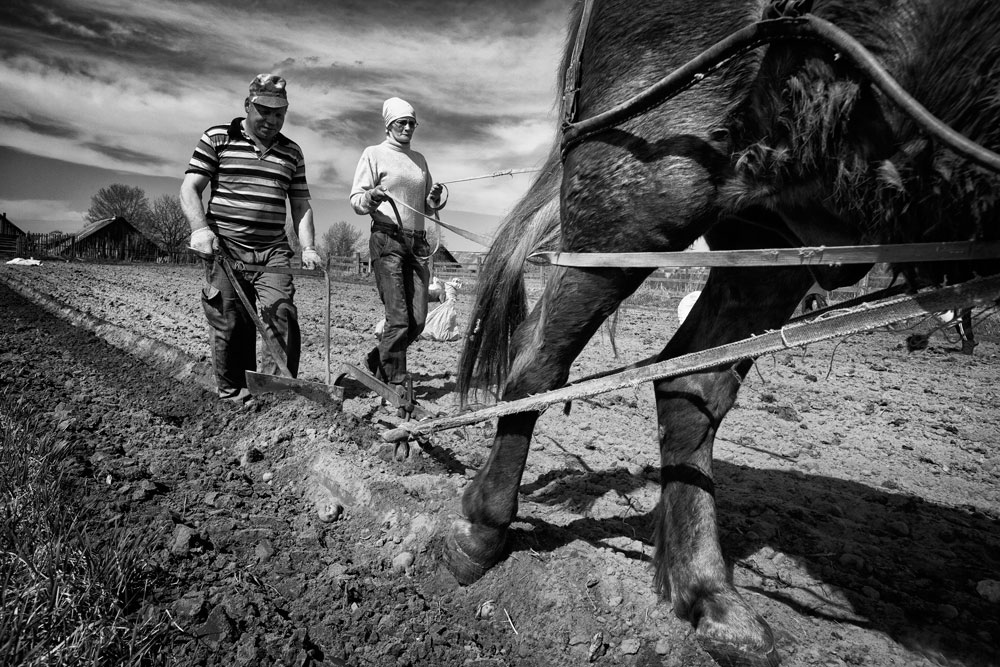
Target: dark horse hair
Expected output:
[501,303]
[790,121]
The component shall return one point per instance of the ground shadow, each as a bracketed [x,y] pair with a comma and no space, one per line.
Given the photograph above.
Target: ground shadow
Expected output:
[429,393]
[423,392]
[906,567]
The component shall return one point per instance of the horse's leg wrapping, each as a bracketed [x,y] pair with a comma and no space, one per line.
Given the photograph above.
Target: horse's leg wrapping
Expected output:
[573,306]
[734,304]
[689,560]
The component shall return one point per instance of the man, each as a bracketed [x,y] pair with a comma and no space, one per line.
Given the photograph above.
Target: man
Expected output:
[252,169]
[393,185]
[963,325]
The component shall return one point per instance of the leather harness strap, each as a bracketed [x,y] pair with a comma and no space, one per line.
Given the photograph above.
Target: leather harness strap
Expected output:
[788,26]
[574,72]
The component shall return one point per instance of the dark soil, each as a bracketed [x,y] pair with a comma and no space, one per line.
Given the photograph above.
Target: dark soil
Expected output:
[244,569]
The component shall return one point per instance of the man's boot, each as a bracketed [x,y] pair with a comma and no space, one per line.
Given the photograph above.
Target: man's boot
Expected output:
[373,363]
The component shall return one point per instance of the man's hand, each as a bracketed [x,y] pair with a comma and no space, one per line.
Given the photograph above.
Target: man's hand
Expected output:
[378,194]
[203,241]
[311,258]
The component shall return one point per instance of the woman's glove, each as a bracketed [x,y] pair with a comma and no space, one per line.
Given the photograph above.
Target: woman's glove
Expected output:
[378,194]
[434,197]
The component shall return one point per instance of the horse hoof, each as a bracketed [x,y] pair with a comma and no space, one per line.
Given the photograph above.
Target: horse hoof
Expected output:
[730,655]
[730,631]
[469,551]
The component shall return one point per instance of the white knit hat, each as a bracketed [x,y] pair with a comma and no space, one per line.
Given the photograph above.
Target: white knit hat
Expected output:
[395,108]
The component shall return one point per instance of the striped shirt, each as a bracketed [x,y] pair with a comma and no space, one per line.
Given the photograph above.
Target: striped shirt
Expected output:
[247,203]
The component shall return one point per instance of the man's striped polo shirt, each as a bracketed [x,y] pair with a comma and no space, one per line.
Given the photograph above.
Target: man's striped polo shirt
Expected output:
[247,203]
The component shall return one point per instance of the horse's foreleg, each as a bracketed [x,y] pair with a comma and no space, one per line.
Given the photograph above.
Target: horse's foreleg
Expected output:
[573,306]
[689,560]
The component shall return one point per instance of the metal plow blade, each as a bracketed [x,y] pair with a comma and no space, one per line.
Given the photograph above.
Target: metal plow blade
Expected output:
[261,383]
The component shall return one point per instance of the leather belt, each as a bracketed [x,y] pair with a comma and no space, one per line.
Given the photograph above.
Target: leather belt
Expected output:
[393,230]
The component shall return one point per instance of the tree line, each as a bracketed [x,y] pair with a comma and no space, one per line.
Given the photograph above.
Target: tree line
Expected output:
[163,221]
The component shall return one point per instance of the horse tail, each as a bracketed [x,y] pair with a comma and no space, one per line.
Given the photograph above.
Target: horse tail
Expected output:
[501,301]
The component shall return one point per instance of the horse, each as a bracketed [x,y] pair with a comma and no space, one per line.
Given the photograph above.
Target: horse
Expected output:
[783,146]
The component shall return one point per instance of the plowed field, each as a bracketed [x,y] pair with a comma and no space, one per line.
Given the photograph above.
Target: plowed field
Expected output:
[858,486]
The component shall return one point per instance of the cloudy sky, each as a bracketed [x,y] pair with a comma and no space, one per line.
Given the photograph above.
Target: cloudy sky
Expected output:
[95,92]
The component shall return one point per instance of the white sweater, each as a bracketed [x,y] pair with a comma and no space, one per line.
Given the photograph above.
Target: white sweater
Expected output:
[403,172]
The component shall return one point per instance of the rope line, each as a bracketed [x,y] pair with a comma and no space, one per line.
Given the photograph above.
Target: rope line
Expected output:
[495,174]
[472,236]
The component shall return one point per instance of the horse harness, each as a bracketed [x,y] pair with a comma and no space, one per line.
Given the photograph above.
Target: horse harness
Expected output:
[782,21]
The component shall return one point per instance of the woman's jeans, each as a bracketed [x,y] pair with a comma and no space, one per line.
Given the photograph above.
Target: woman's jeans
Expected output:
[399,260]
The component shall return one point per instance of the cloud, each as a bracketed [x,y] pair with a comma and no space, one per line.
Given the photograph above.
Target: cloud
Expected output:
[123,154]
[131,85]
[46,127]
[46,215]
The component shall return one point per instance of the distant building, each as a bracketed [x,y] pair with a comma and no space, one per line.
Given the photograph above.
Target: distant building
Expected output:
[10,235]
[443,256]
[468,258]
[109,239]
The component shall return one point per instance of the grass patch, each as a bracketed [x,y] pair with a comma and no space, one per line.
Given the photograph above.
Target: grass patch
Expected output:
[73,589]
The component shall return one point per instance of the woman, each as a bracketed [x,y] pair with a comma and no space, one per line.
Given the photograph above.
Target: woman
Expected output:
[393,185]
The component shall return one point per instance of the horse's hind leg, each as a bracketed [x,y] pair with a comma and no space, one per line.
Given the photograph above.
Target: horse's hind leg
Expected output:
[573,306]
[734,304]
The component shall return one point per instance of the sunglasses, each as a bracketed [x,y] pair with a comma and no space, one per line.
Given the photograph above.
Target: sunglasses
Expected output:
[400,124]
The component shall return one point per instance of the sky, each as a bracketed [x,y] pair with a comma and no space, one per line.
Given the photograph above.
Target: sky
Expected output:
[95,92]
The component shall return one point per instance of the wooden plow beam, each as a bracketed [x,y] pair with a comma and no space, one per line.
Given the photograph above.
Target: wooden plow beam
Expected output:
[979,292]
[806,256]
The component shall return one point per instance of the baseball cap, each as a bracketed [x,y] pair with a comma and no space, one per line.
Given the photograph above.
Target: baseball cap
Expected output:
[268,90]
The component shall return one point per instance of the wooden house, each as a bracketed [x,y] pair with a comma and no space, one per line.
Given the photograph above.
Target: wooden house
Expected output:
[109,239]
[11,236]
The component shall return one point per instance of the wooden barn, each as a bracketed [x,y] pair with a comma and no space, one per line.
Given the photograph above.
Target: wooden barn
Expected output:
[109,239]
[11,236]
[442,256]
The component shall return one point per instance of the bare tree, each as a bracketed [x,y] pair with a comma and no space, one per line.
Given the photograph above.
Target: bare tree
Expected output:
[341,240]
[167,224]
[127,201]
